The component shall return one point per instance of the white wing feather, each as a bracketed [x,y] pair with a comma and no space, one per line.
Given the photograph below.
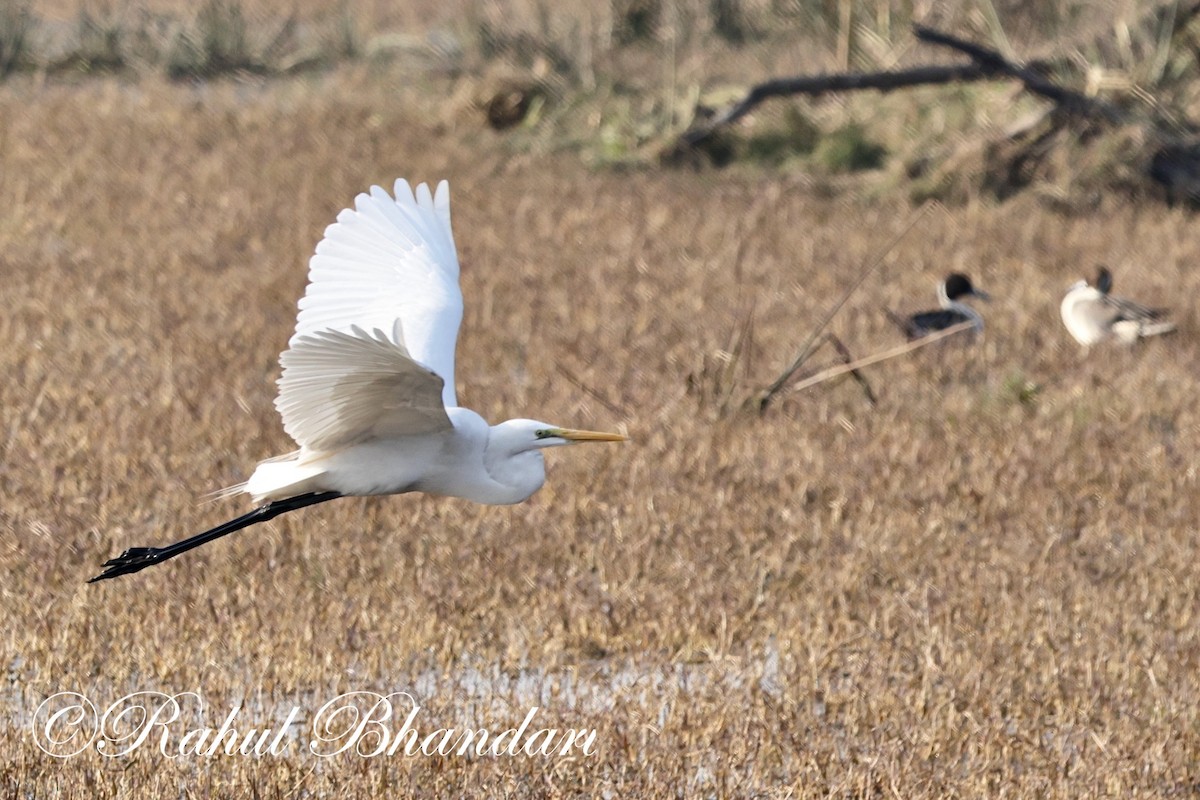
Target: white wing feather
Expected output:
[342,388]
[387,266]
[390,265]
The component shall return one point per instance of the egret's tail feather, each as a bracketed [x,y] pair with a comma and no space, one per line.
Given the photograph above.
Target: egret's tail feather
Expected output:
[277,480]
[244,486]
[292,456]
[225,493]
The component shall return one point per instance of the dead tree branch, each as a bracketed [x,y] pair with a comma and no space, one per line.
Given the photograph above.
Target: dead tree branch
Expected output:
[848,359]
[1069,100]
[986,64]
[854,366]
[815,85]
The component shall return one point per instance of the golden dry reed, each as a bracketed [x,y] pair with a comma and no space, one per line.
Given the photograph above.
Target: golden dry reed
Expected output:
[985,585]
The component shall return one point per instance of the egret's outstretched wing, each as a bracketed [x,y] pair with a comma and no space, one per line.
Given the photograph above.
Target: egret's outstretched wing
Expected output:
[342,388]
[390,265]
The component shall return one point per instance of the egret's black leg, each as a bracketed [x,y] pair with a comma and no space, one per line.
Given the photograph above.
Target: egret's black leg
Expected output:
[138,558]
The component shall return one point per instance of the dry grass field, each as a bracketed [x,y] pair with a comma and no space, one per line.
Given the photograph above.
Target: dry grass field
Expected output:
[984,585]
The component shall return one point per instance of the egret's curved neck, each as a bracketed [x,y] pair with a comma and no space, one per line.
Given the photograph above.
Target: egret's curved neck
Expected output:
[516,475]
[503,468]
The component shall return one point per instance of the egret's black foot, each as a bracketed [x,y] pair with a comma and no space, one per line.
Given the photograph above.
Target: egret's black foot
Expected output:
[132,560]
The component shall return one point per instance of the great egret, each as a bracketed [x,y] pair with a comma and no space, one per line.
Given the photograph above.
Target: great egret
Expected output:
[952,312]
[1091,314]
[367,389]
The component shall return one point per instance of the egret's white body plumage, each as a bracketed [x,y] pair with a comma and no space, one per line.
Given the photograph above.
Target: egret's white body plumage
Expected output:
[471,460]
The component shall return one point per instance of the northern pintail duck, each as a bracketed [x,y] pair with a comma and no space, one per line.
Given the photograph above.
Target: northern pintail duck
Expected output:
[952,312]
[1092,315]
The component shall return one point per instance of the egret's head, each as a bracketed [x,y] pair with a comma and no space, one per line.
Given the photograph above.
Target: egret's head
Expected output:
[513,455]
[529,434]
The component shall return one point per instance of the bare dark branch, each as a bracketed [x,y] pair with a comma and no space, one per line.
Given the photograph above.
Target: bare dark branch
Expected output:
[1068,100]
[815,85]
[848,360]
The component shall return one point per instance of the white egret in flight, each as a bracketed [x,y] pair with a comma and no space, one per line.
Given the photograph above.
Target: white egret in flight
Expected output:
[367,389]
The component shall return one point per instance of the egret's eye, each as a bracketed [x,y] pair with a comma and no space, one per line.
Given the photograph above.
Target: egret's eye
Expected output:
[545,433]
